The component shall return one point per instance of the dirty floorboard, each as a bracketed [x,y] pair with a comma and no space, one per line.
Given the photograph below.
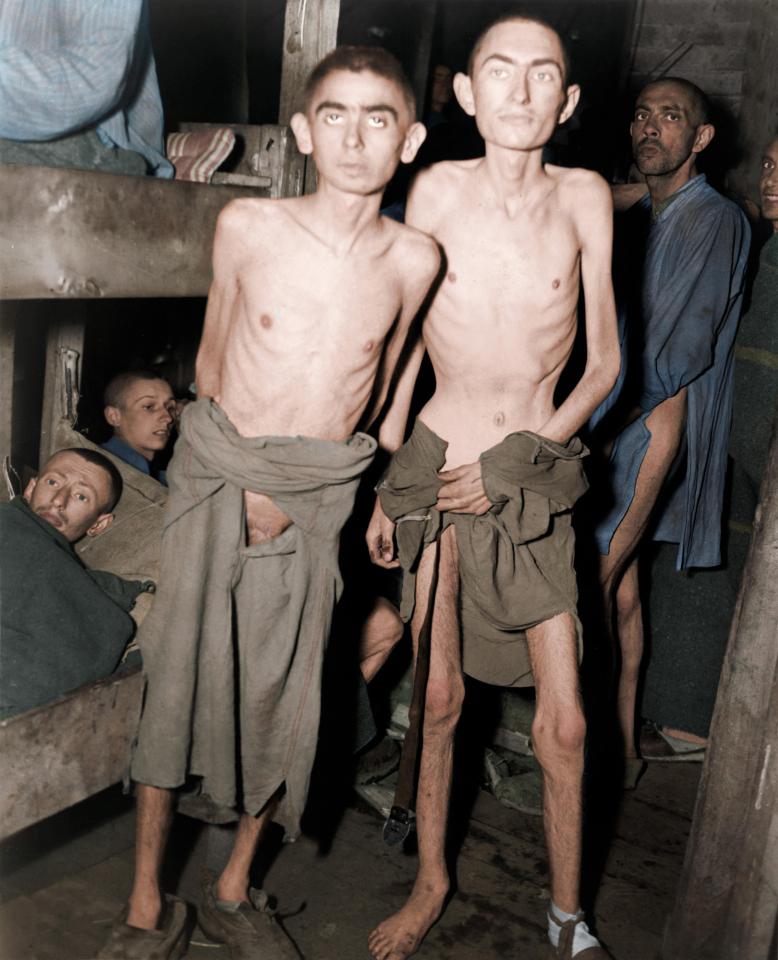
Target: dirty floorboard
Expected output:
[64,880]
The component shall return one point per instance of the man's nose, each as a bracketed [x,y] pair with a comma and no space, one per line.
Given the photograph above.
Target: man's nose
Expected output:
[60,497]
[520,88]
[353,137]
[650,127]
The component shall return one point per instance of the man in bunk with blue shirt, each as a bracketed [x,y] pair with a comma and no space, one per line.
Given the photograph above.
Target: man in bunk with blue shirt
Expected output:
[688,248]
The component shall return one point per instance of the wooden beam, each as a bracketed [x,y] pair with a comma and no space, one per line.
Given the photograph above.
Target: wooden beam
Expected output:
[426,14]
[60,753]
[727,902]
[310,32]
[80,234]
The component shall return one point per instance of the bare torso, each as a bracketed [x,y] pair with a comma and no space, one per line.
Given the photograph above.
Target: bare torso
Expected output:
[502,324]
[299,335]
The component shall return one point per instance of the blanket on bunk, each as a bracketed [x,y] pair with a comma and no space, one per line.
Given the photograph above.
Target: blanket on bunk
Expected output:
[61,625]
[233,646]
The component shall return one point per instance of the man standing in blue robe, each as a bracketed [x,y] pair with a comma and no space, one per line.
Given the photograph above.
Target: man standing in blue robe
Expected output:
[688,251]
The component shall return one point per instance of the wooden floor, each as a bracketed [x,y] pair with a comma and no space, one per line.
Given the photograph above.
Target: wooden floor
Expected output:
[62,882]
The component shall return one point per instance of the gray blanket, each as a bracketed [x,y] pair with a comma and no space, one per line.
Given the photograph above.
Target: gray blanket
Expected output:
[233,646]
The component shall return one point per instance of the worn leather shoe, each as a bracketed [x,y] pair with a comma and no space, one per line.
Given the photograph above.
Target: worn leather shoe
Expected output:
[132,943]
[250,930]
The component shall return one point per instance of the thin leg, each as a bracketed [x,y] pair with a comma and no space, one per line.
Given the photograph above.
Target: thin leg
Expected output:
[233,884]
[399,936]
[154,813]
[558,733]
[382,631]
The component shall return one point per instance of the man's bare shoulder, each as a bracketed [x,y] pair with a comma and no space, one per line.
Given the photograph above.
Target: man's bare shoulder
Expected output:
[441,178]
[416,254]
[580,186]
[248,212]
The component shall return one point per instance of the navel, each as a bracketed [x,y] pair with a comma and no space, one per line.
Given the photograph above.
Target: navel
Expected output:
[266,321]
[368,346]
[452,277]
[499,418]
[555,284]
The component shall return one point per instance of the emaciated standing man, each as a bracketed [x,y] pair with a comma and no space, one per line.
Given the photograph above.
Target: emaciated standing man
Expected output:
[481,493]
[310,304]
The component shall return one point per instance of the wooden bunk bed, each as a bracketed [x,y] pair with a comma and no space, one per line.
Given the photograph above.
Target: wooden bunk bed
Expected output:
[78,234]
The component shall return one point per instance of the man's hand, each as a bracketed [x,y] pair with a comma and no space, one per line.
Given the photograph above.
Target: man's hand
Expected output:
[380,538]
[463,490]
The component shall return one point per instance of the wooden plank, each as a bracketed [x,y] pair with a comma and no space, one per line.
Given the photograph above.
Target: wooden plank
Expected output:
[60,753]
[727,904]
[80,234]
[426,14]
[62,379]
[310,32]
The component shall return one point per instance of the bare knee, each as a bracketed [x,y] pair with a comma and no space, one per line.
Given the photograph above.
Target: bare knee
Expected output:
[628,599]
[559,737]
[443,704]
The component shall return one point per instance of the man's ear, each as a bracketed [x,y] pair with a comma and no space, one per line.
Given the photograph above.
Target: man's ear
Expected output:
[27,494]
[100,525]
[415,136]
[302,133]
[463,88]
[573,96]
[705,133]
[113,415]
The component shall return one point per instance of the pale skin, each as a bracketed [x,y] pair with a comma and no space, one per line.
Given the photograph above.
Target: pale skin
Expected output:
[667,136]
[518,237]
[310,305]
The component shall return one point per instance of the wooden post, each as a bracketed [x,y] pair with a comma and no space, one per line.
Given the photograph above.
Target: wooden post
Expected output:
[425,29]
[727,902]
[64,349]
[310,32]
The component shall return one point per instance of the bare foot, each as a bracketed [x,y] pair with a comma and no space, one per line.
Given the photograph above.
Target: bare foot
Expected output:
[400,935]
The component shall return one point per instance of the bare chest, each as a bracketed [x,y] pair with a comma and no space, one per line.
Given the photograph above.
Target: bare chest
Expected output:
[527,263]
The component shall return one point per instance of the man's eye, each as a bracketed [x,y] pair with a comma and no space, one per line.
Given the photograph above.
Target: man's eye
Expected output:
[768,165]
[376,121]
[50,481]
[499,72]
[82,497]
[332,118]
[641,115]
[542,75]
[673,116]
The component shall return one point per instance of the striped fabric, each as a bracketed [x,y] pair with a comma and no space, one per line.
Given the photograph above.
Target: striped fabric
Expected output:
[197,156]
[70,65]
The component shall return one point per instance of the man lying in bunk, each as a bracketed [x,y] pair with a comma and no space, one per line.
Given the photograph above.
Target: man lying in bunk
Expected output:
[141,409]
[310,304]
[62,625]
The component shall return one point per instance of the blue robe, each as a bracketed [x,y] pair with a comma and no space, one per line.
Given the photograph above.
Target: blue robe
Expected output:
[680,333]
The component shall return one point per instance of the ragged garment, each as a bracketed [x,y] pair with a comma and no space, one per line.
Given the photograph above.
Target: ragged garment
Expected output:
[515,561]
[682,312]
[233,646]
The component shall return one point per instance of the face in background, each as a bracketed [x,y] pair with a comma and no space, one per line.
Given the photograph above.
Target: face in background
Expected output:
[517,90]
[144,417]
[442,89]
[667,134]
[72,495]
[768,183]
[358,127]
